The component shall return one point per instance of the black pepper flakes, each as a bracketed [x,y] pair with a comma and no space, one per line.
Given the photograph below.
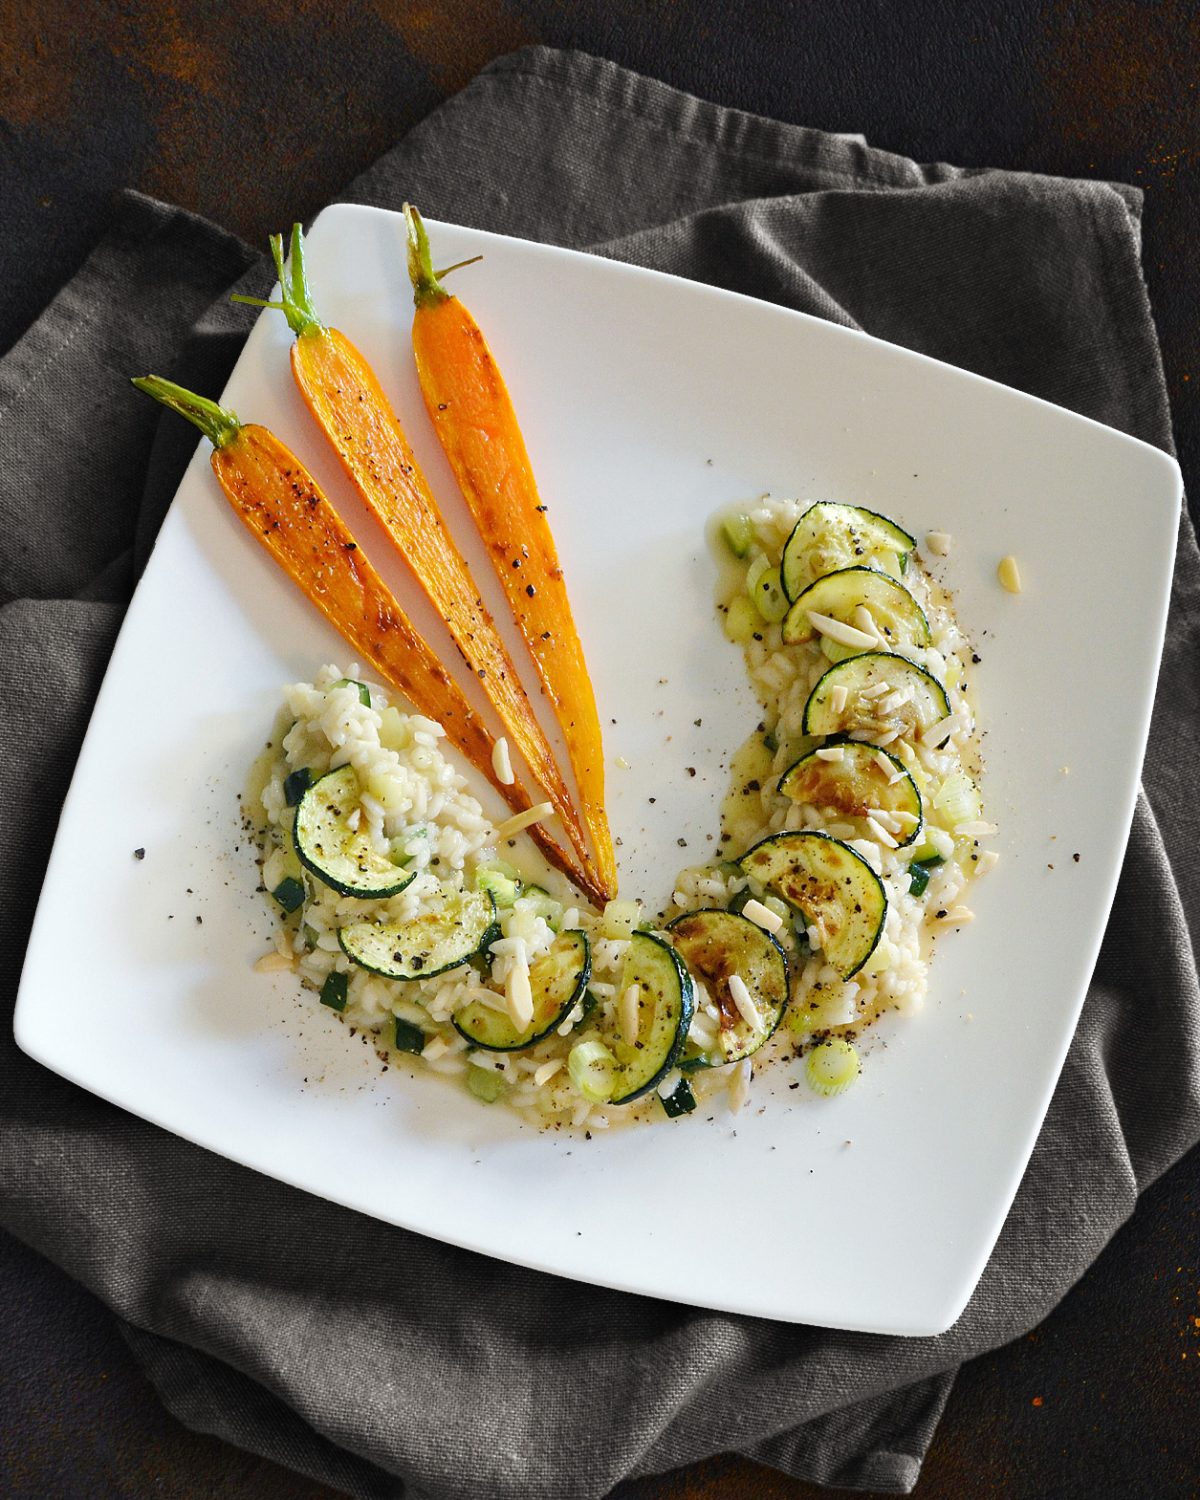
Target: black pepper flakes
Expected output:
[139,854]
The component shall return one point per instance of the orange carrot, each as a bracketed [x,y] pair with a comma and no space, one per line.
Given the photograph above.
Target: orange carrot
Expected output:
[284,507]
[351,408]
[473,416]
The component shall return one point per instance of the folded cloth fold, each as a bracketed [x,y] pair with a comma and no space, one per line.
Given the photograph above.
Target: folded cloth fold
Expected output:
[386,1364]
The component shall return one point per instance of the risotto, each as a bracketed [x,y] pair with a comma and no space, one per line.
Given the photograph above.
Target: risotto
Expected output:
[852,828]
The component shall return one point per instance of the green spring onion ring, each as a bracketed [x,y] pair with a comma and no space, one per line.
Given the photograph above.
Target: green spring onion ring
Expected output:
[593,1071]
[831,1067]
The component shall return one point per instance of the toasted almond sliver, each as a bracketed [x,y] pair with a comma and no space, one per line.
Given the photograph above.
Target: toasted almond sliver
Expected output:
[865,621]
[938,731]
[547,1071]
[957,916]
[273,963]
[519,993]
[881,834]
[988,860]
[744,1001]
[838,696]
[502,762]
[975,829]
[535,814]
[831,752]
[762,916]
[1009,575]
[844,635]
[434,1048]
[938,543]
[485,996]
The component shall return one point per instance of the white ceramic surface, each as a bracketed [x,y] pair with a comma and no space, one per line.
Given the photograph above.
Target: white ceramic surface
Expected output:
[647,403]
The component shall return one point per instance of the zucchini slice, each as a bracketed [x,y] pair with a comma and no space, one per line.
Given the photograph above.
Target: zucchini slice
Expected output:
[836,889]
[716,946]
[557,979]
[341,856]
[664,1015]
[427,945]
[828,537]
[923,700]
[838,595]
[856,784]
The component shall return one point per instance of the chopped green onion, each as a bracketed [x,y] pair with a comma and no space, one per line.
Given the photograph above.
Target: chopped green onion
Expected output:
[802,1020]
[832,1067]
[402,847]
[834,651]
[504,890]
[295,785]
[289,893]
[619,919]
[741,620]
[334,991]
[593,1070]
[903,563]
[543,905]
[408,1038]
[680,1101]
[485,1083]
[364,692]
[738,532]
[957,799]
[769,598]
[919,872]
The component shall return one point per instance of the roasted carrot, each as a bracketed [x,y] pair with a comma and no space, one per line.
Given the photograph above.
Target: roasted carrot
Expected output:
[284,507]
[350,406]
[473,416]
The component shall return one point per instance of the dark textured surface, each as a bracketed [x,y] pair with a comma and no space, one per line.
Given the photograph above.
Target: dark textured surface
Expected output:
[248,117]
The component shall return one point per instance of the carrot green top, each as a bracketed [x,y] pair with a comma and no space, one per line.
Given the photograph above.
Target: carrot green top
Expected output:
[218,424]
[427,287]
[295,296]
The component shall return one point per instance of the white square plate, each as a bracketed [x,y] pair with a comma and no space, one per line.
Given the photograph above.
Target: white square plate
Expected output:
[647,402]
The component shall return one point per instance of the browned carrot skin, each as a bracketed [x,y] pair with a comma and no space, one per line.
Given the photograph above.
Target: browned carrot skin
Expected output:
[352,409]
[473,415]
[284,508]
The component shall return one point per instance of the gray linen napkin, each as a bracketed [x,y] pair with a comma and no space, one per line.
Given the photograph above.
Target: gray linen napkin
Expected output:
[387,1364]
